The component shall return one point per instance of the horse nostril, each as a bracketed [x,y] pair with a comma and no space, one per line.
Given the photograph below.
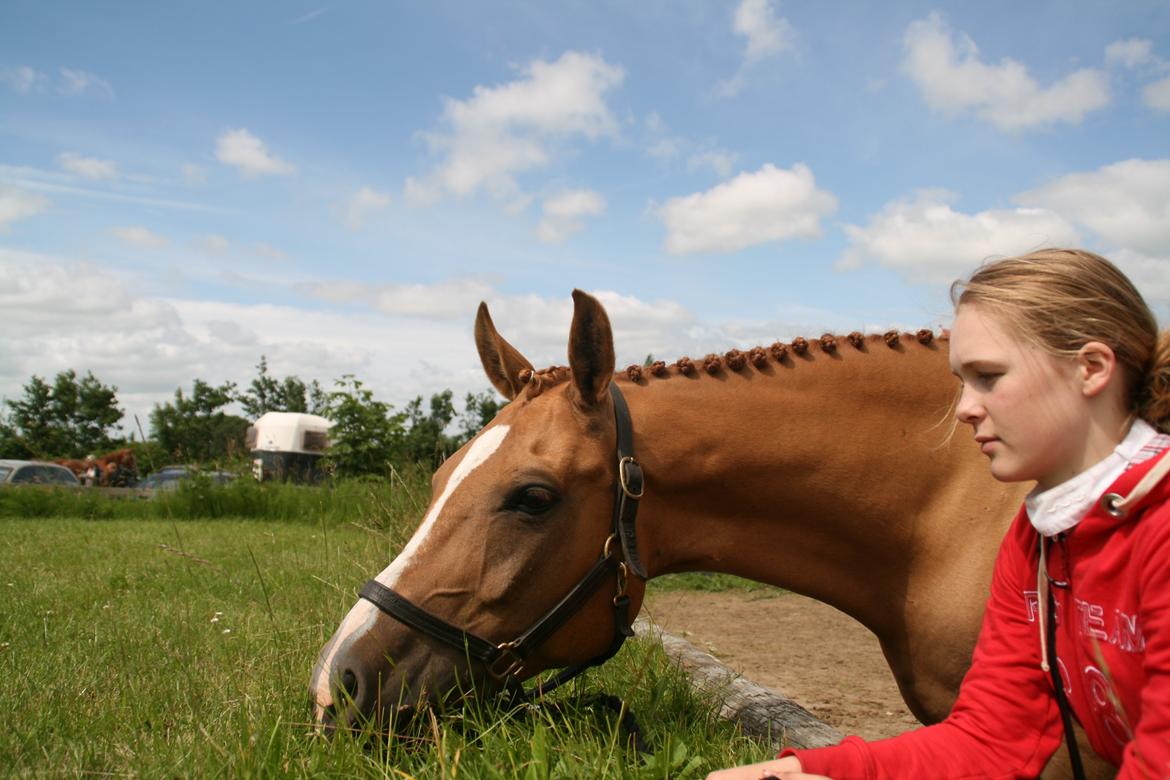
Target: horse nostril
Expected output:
[350,683]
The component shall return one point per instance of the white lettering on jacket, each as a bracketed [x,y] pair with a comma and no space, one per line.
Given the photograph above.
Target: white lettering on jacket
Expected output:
[1118,628]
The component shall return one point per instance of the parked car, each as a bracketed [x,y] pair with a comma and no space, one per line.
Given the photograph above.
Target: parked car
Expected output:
[170,477]
[35,472]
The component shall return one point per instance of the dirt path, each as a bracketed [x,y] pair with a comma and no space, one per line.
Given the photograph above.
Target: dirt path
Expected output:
[806,650]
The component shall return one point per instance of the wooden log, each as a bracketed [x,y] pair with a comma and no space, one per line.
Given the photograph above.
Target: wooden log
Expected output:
[761,713]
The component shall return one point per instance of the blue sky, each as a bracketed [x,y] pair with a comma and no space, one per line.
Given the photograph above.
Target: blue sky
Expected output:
[184,187]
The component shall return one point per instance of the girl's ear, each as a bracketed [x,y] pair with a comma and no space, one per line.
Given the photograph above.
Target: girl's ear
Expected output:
[1096,367]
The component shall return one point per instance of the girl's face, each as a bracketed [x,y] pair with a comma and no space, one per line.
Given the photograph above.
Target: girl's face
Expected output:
[1026,408]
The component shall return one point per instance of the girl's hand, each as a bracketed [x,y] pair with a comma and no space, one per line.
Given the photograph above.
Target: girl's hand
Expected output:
[787,768]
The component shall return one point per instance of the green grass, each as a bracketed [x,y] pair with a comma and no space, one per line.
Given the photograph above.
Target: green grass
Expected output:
[168,646]
[375,502]
[707,581]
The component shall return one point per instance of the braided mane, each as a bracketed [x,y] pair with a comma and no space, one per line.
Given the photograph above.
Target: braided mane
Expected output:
[537,381]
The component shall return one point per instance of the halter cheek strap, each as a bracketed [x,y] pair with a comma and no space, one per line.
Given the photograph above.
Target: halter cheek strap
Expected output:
[631,484]
[506,659]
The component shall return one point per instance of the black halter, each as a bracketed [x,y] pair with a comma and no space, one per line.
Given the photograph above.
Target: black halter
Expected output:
[505,659]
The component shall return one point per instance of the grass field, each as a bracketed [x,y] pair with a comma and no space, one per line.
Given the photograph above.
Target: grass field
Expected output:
[156,646]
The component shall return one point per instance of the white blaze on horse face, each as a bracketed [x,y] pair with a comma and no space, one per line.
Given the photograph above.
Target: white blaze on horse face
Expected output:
[359,619]
[482,448]
[361,616]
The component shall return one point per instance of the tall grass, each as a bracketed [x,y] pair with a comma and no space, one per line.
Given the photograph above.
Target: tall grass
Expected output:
[376,502]
[182,647]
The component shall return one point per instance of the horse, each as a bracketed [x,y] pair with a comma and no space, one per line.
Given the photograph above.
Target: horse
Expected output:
[825,466]
[118,468]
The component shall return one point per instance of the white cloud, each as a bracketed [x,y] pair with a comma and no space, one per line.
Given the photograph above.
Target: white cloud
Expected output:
[22,79]
[70,315]
[1130,53]
[1126,203]
[952,78]
[248,153]
[437,301]
[772,204]
[87,167]
[1156,95]
[70,81]
[362,205]
[140,237]
[16,204]
[503,131]
[926,240]
[79,82]
[562,213]
[1151,274]
[766,36]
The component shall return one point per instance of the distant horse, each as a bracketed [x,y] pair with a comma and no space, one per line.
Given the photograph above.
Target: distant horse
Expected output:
[823,466]
[118,468]
[113,469]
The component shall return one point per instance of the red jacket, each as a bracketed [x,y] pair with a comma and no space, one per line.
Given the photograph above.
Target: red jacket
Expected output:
[1113,644]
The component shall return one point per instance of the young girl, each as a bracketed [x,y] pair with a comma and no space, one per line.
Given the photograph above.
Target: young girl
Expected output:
[1065,381]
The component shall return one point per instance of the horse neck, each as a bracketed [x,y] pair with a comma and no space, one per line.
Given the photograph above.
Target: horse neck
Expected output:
[834,475]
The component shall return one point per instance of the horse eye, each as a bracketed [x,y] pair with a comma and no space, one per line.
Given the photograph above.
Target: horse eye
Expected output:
[532,500]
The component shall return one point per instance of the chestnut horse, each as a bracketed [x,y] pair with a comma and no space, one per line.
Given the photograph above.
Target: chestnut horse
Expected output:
[825,467]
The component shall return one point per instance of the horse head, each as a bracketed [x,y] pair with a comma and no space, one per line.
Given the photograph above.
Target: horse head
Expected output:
[515,567]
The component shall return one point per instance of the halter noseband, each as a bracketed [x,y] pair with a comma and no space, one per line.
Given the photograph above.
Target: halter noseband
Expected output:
[505,659]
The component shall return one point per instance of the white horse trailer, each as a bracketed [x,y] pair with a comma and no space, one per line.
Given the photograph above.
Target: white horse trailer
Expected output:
[287,446]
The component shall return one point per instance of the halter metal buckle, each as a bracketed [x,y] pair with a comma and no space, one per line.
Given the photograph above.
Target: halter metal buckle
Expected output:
[507,655]
[624,477]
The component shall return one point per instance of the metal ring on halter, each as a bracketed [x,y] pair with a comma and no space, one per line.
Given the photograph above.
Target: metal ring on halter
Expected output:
[622,575]
[607,550]
[623,477]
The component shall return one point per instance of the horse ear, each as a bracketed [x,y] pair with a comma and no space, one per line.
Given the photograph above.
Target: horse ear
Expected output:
[501,361]
[590,348]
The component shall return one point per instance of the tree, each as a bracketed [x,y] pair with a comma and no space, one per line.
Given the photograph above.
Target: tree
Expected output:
[266,394]
[426,441]
[194,428]
[70,418]
[365,438]
[478,410]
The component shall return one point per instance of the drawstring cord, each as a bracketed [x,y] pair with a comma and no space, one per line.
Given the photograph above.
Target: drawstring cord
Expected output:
[1042,605]
[1118,506]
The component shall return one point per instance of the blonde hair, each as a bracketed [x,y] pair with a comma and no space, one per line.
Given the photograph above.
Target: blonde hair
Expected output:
[1061,299]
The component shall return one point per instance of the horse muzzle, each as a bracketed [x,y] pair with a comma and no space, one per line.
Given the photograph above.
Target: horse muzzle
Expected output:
[378,677]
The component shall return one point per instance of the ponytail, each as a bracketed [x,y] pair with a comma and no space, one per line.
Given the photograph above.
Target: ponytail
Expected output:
[1154,393]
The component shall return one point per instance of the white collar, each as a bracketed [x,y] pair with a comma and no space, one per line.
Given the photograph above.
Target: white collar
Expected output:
[1059,508]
